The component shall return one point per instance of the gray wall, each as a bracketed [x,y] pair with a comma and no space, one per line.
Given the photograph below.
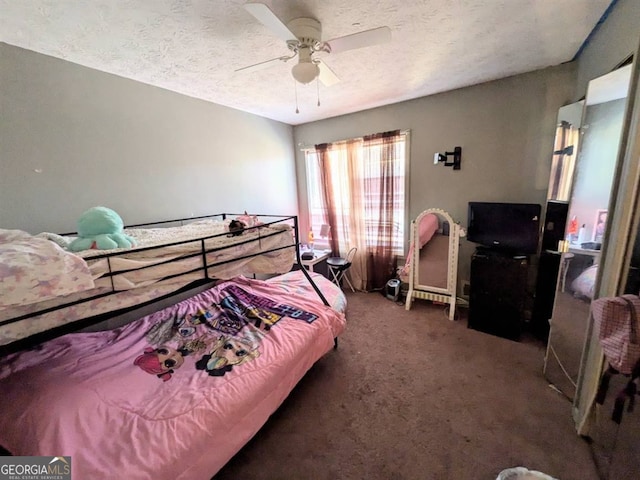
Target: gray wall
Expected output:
[506,130]
[72,138]
[150,153]
[614,40]
[598,155]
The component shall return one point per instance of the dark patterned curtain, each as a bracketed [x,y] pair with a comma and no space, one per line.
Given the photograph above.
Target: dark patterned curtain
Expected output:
[328,195]
[370,185]
[380,187]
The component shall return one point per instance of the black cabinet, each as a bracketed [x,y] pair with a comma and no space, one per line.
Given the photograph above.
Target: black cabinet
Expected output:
[555,222]
[546,281]
[498,293]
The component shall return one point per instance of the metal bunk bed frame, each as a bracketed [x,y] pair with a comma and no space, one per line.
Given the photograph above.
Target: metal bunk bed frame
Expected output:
[86,322]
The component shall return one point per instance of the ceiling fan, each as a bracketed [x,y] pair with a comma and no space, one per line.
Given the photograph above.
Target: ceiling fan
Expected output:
[304,38]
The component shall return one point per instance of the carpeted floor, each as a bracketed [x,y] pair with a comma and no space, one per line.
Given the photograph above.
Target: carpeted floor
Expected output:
[411,395]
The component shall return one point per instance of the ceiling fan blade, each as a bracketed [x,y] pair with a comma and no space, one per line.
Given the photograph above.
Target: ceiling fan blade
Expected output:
[327,76]
[366,38]
[263,65]
[264,15]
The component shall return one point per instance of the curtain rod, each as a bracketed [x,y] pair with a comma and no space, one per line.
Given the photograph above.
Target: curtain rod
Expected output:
[306,148]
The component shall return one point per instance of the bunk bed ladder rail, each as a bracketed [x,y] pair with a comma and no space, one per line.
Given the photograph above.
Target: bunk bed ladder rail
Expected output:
[296,232]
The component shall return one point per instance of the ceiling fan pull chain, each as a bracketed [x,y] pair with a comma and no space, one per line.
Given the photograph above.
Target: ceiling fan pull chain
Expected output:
[318,88]
[295,88]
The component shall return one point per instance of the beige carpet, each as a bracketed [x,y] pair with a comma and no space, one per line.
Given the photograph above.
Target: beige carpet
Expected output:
[411,395]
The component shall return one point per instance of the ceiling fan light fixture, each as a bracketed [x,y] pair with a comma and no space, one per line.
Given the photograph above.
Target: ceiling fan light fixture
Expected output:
[303,37]
[305,72]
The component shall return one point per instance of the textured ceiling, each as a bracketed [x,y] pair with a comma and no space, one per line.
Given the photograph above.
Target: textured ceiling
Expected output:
[194,46]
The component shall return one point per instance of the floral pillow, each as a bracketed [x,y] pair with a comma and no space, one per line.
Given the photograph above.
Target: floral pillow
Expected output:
[34,269]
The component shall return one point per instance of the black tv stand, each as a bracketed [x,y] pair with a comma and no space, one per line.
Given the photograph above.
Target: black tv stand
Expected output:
[498,292]
[482,249]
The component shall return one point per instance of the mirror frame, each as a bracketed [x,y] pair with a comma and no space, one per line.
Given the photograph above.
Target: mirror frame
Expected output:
[607,89]
[624,218]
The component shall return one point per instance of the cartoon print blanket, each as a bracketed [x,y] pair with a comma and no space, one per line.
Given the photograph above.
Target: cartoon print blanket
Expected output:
[224,333]
[173,395]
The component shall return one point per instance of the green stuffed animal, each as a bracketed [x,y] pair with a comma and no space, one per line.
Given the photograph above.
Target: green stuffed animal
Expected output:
[100,228]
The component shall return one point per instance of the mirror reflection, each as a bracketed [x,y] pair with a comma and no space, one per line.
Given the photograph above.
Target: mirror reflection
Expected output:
[616,446]
[565,151]
[577,255]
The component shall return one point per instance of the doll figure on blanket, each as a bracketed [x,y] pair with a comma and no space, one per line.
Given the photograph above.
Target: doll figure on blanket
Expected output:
[161,361]
[100,228]
[164,360]
[230,351]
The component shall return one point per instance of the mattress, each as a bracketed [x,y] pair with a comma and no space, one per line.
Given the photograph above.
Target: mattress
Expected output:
[162,252]
[34,323]
[175,394]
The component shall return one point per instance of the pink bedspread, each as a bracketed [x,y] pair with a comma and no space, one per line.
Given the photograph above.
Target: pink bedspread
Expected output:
[175,394]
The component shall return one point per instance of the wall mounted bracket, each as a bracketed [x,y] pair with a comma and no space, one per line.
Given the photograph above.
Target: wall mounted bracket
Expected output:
[442,157]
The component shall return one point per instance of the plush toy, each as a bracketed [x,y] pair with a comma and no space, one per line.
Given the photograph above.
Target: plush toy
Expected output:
[242,222]
[249,220]
[100,228]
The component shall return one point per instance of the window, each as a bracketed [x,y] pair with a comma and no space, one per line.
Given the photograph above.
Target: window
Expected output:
[356,164]
[564,160]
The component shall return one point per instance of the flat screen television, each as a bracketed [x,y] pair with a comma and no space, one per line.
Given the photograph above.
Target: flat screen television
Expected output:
[512,227]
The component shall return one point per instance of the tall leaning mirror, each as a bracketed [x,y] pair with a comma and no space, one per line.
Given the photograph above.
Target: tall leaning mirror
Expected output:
[577,256]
